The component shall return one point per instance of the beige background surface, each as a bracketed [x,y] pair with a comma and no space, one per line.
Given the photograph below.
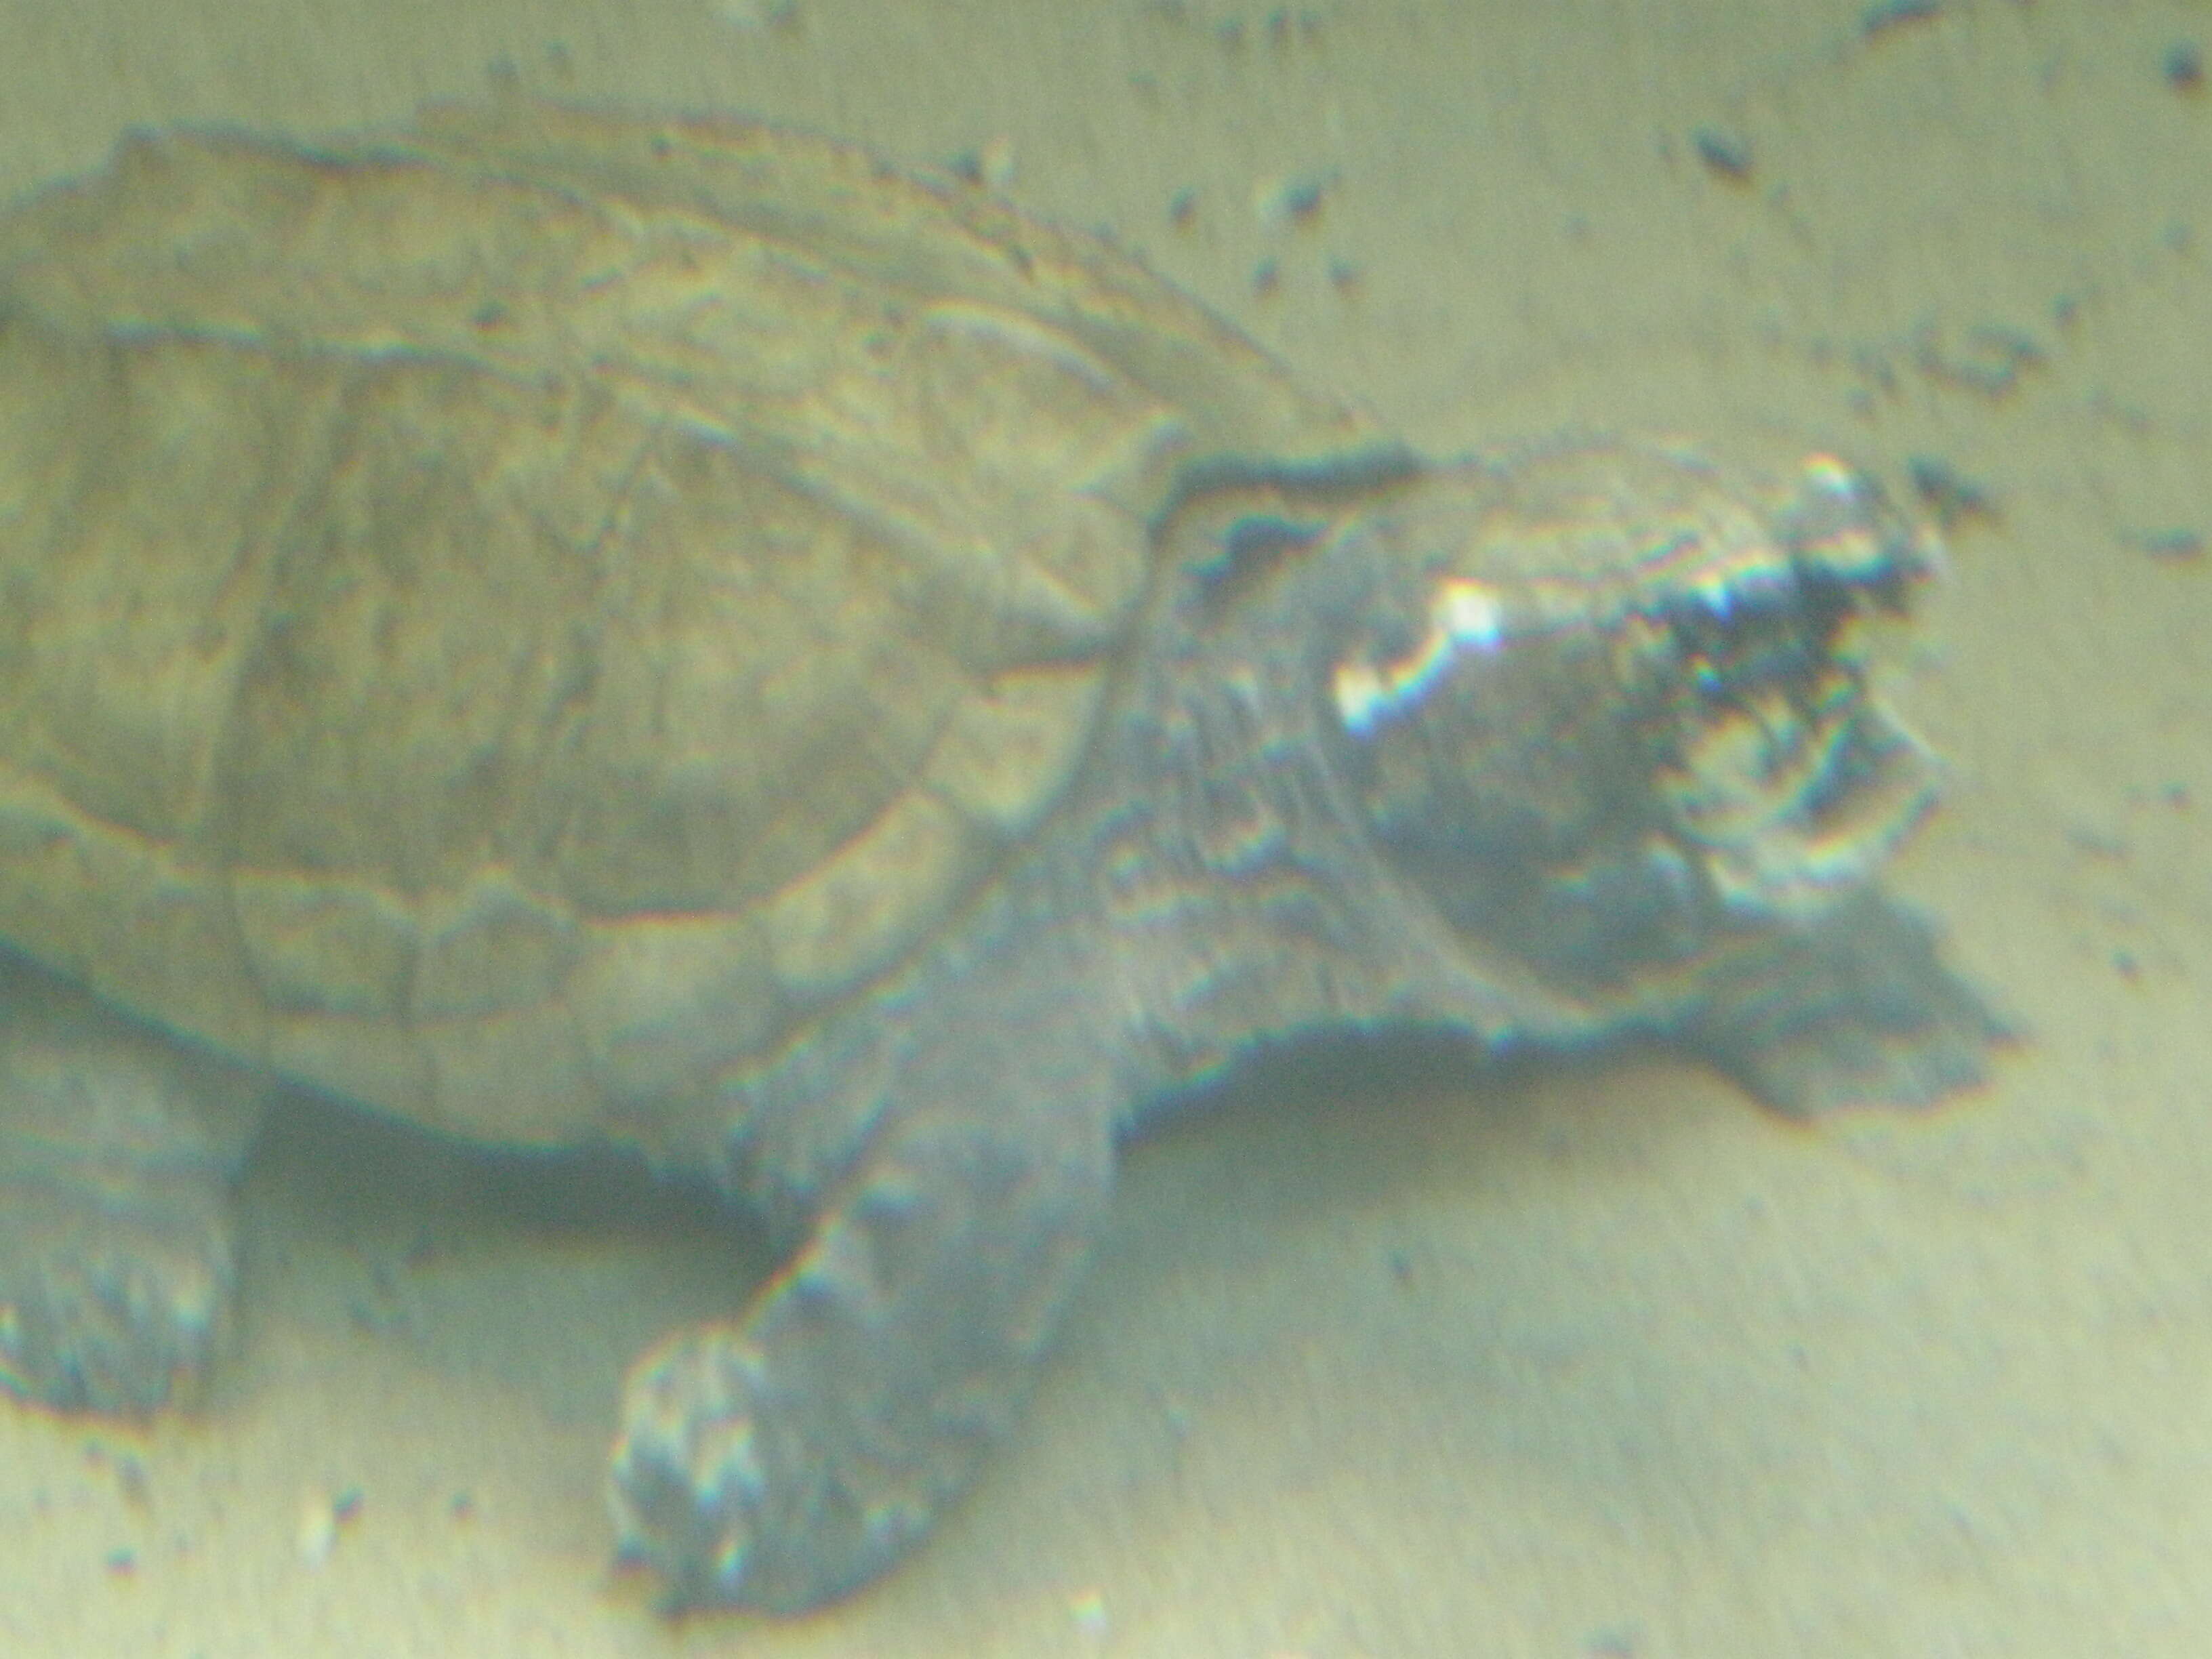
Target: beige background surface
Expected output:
[1602,1363]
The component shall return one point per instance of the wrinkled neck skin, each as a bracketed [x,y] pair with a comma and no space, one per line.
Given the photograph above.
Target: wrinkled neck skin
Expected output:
[1219,845]
[1245,858]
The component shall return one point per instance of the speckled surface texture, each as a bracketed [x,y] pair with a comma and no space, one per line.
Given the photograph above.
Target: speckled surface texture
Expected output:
[1600,1363]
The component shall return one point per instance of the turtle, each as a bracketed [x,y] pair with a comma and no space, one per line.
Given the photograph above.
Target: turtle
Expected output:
[609,630]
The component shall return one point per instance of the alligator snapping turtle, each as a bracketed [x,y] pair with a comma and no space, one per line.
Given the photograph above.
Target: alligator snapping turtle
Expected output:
[567,628]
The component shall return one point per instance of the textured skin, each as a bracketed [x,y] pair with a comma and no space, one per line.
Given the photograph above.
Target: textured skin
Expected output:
[571,628]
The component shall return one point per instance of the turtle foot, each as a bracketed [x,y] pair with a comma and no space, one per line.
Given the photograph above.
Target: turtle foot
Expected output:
[117,1150]
[113,1297]
[737,1494]
[783,1461]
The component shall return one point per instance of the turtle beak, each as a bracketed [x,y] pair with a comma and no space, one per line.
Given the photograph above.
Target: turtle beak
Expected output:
[1788,780]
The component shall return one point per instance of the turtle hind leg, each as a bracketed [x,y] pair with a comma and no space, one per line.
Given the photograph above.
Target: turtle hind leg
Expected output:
[782,1461]
[118,1152]
[1856,1009]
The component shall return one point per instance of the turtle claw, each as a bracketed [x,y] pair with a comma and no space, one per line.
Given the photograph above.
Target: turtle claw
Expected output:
[106,1304]
[728,1492]
[683,1482]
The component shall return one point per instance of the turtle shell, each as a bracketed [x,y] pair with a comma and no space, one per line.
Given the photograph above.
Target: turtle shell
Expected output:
[507,620]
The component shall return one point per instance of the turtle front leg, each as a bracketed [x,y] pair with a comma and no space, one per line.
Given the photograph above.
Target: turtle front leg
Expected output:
[784,1460]
[118,1151]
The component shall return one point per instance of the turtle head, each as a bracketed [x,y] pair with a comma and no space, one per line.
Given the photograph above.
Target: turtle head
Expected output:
[1604,704]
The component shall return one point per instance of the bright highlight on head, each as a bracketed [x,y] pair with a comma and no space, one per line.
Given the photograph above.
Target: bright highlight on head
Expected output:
[1464,615]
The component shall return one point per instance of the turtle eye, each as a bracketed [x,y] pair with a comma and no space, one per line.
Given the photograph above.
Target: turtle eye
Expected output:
[1488,750]
[1392,677]
[1481,739]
